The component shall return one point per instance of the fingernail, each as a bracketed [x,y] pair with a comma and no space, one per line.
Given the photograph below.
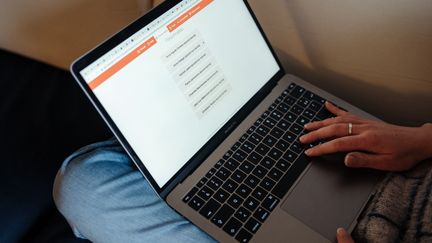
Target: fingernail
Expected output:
[340,231]
[308,152]
[347,158]
[307,125]
[302,138]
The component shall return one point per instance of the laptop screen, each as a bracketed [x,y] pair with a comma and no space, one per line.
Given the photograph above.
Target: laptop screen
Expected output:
[174,83]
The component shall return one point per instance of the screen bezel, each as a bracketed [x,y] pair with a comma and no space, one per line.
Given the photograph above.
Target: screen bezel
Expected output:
[207,148]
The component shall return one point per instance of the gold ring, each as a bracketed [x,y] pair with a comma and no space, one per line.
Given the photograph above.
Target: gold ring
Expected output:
[350,128]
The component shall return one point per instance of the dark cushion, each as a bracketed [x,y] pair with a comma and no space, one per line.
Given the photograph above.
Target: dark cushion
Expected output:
[44,117]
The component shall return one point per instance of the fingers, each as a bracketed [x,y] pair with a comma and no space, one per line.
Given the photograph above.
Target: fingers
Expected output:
[331,131]
[327,122]
[343,236]
[343,144]
[334,109]
[365,160]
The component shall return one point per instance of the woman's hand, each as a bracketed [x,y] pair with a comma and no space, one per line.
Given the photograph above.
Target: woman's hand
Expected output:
[371,144]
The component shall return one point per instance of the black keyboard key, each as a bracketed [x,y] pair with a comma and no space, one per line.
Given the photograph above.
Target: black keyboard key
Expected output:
[262,149]
[290,117]
[222,216]
[230,186]
[190,194]
[269,141]
[250,130]
[296,147]
[242,214]
[223,173]
[210,208]
[205,193]
[238,176]
[270,202]
[261,214]
[196,203]
[258,122]
[290,156]
[315,106]
[302,121]
[247,167]
[235,146]
[267,162]
[284,124]
[221,195]
[309,113]
[267,183]
[304,102]
[260,171]
[202,182]
[282,145]
[313,96]
[255,138]
[232,227]
[247,147]
[275,174]
[239,155]
[243,236]
[231,164]
[276,132]
[214,183]
[227,155]
[289,137]
[243,138]
[251,181]
[296,129]
[291,176]
[254,158]
[252,225]
[243,191]
[235,201]
[290,87]
[275,153]
[324,114]
[211,172]
[297,92]
[289,100]
[297,109]
[259,193]
[219,164]
[276,115]
[269,122]
[262,130]
[283,107]
[283,165]
[251,203]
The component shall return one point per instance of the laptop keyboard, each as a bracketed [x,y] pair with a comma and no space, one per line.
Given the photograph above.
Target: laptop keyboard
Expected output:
[242,189]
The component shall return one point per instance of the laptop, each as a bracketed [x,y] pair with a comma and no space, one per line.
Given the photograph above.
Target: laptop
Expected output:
[198,99]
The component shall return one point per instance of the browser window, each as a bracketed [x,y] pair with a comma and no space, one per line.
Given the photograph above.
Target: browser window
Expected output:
[170,87]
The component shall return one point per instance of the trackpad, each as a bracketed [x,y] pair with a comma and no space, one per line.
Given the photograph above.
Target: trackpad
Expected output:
[330,196]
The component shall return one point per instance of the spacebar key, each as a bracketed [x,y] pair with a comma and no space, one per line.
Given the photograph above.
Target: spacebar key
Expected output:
[291,176]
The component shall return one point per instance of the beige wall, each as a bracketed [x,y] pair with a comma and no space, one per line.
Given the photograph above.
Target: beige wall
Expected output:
[375,54]
[59,31]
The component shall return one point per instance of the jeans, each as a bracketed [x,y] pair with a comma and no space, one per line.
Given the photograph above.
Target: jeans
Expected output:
[105,198]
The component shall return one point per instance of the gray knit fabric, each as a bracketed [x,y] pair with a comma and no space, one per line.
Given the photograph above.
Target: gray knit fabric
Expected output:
[401,210]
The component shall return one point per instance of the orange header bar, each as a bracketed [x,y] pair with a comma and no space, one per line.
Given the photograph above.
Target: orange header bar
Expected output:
[122,63]
[189,14]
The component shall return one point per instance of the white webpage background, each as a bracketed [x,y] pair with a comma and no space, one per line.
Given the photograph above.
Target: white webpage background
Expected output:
[150,110]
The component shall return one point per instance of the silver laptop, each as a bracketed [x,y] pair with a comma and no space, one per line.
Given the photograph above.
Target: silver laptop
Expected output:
[198,99]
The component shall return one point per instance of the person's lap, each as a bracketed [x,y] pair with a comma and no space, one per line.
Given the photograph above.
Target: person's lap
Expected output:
[106,199]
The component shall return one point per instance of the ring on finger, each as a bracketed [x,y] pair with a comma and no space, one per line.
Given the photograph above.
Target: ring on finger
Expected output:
[350,128]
